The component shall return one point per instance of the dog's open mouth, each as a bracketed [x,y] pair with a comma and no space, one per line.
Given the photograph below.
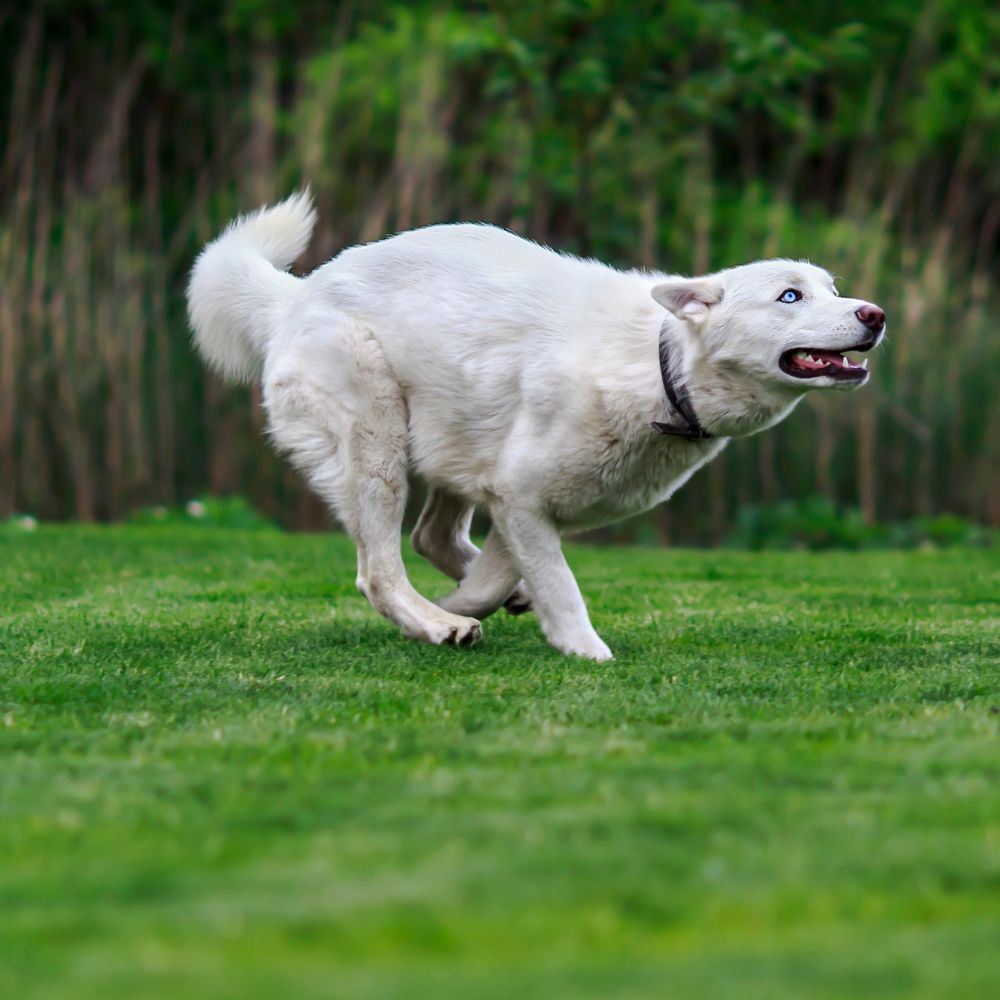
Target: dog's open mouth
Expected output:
[810,362]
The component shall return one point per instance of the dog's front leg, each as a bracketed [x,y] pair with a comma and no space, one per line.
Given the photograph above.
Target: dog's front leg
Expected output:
[536,548]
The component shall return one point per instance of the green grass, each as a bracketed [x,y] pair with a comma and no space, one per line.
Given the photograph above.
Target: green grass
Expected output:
[222,775]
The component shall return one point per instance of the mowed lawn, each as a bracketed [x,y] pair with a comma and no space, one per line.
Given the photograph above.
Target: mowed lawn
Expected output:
[222,775]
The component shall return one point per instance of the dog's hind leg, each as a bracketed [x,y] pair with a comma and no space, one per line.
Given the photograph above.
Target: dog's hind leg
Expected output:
[488,583]
[355,457]
[441,536]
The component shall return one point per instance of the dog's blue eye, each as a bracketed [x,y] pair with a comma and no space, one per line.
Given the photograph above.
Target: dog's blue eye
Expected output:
[790,295]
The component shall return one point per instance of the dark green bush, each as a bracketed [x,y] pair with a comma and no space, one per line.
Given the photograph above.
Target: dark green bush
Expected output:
[213,512]
[816,523]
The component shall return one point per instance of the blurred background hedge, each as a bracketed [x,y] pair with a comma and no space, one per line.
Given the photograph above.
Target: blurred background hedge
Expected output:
[683,135]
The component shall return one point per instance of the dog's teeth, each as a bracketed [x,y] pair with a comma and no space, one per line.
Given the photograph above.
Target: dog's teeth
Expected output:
[864,362]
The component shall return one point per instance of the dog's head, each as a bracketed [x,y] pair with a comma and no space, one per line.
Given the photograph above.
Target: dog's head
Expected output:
[780,322]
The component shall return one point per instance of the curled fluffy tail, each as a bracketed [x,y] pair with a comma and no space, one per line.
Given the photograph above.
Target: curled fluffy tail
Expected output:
[238,284]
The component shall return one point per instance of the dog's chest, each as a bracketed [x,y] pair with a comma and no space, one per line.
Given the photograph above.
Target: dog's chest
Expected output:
[625,480]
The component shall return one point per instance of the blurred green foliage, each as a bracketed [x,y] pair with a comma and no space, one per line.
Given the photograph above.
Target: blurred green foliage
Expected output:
[209,512]
[684,136]
[816,523]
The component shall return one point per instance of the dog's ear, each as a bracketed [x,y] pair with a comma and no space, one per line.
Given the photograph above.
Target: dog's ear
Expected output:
[689,298]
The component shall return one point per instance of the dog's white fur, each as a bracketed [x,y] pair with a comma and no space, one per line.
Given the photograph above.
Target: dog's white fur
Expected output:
[509,377]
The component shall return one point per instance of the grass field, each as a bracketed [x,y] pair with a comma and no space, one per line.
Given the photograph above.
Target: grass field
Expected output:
[222,775]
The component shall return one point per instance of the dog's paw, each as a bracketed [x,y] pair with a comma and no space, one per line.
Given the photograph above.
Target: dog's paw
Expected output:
[588,647]
[519,602]
[453,631]
[465,635]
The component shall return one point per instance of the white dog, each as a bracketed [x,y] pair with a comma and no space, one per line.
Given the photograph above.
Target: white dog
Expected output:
[554,392]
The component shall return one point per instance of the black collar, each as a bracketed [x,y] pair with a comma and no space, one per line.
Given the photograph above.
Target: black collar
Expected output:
[679,399]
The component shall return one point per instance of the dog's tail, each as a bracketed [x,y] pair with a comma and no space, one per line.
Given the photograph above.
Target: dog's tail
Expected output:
[239,282]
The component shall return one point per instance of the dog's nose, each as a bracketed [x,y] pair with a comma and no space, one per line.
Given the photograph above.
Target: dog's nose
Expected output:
[871,316]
